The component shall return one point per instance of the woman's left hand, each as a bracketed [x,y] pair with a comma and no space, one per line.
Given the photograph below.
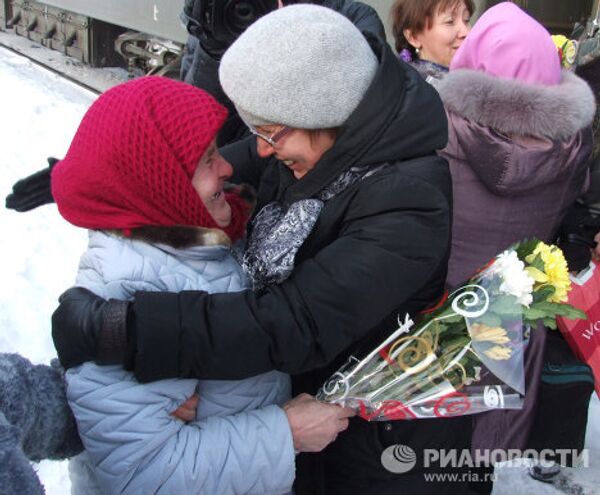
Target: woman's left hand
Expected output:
[187,411]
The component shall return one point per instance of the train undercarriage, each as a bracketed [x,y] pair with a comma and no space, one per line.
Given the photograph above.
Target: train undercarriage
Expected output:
[147,36]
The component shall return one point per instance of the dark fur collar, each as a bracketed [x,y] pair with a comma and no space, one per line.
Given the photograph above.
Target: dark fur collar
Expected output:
[515,108]
[178,237]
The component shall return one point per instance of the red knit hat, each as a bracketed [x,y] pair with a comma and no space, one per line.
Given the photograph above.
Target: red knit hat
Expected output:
[133,157]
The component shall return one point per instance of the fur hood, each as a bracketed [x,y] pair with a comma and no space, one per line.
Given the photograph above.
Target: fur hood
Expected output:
[184,236]
[178,237]
[515,108]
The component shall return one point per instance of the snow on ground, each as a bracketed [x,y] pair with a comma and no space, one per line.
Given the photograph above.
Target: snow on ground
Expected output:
[572,481]
[40,251]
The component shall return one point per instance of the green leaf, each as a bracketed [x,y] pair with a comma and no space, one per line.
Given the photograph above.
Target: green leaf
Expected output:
[490,319]
[546,309]
[533,313]
[453,319]
[547,306]
[549,323]
[559,309]
[572,313]
[438,327]
[506,305]
[525,248]
[543,294]
[537,263]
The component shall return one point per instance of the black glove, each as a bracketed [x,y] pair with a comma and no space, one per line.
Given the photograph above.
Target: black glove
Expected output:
[86,327]
[32,191]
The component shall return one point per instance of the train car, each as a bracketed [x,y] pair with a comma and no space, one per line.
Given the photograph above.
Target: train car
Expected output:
[100,33]
[148,35]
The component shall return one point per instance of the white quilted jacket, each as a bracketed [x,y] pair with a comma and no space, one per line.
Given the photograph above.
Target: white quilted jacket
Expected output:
[241,441]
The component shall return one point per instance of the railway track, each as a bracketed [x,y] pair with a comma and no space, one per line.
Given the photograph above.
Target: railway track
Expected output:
[48,67]
[96,80]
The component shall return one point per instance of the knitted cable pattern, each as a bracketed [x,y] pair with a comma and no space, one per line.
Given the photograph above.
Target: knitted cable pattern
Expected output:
[132,159]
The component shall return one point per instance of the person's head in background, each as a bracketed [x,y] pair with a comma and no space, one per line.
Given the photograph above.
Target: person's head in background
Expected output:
[295,76]
[508,43]
[430,30]
[144,155]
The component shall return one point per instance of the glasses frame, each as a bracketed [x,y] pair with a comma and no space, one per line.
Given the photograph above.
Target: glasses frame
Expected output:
[274,138]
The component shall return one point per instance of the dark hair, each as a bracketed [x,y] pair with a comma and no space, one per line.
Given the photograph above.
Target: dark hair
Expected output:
[417,15]
[313,134]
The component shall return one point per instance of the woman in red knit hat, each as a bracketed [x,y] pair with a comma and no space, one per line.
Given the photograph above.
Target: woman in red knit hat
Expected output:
[144,175]
[352,230]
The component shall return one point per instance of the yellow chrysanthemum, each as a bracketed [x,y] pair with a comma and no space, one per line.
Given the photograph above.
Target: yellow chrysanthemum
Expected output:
[499,353]
[483,333]
[556,271]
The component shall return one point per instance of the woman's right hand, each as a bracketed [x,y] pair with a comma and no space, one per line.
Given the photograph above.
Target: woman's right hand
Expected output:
[186,412]
[315,424]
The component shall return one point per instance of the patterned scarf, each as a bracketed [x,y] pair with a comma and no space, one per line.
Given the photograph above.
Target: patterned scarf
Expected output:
[430,71]
[278,233]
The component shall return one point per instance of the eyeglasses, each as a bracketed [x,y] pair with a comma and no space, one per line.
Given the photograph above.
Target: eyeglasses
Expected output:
[274,138]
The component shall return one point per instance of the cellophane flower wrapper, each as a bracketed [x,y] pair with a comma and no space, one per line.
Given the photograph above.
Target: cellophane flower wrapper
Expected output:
[466,355]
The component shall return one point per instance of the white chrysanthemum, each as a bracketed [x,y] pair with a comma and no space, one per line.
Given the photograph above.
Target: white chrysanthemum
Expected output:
[515,279]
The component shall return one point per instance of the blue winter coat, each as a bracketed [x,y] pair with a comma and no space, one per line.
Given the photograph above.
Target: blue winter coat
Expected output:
[241,441]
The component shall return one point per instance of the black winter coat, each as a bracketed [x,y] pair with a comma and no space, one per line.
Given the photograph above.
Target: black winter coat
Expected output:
[378,250]
[202,70]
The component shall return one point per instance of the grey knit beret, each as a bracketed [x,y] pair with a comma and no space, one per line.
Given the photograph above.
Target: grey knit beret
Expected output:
[303,66]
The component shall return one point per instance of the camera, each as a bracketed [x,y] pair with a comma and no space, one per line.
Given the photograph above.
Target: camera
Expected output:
[220,22]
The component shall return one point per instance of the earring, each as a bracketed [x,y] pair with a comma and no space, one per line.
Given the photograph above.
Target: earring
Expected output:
[417,50]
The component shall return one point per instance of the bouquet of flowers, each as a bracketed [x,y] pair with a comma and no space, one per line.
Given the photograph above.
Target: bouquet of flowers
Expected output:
[465,355]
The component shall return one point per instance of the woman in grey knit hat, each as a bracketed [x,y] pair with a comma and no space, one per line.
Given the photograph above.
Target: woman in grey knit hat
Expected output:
[352,229]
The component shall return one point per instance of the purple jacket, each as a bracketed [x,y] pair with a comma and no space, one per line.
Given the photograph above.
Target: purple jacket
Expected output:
[518,157]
